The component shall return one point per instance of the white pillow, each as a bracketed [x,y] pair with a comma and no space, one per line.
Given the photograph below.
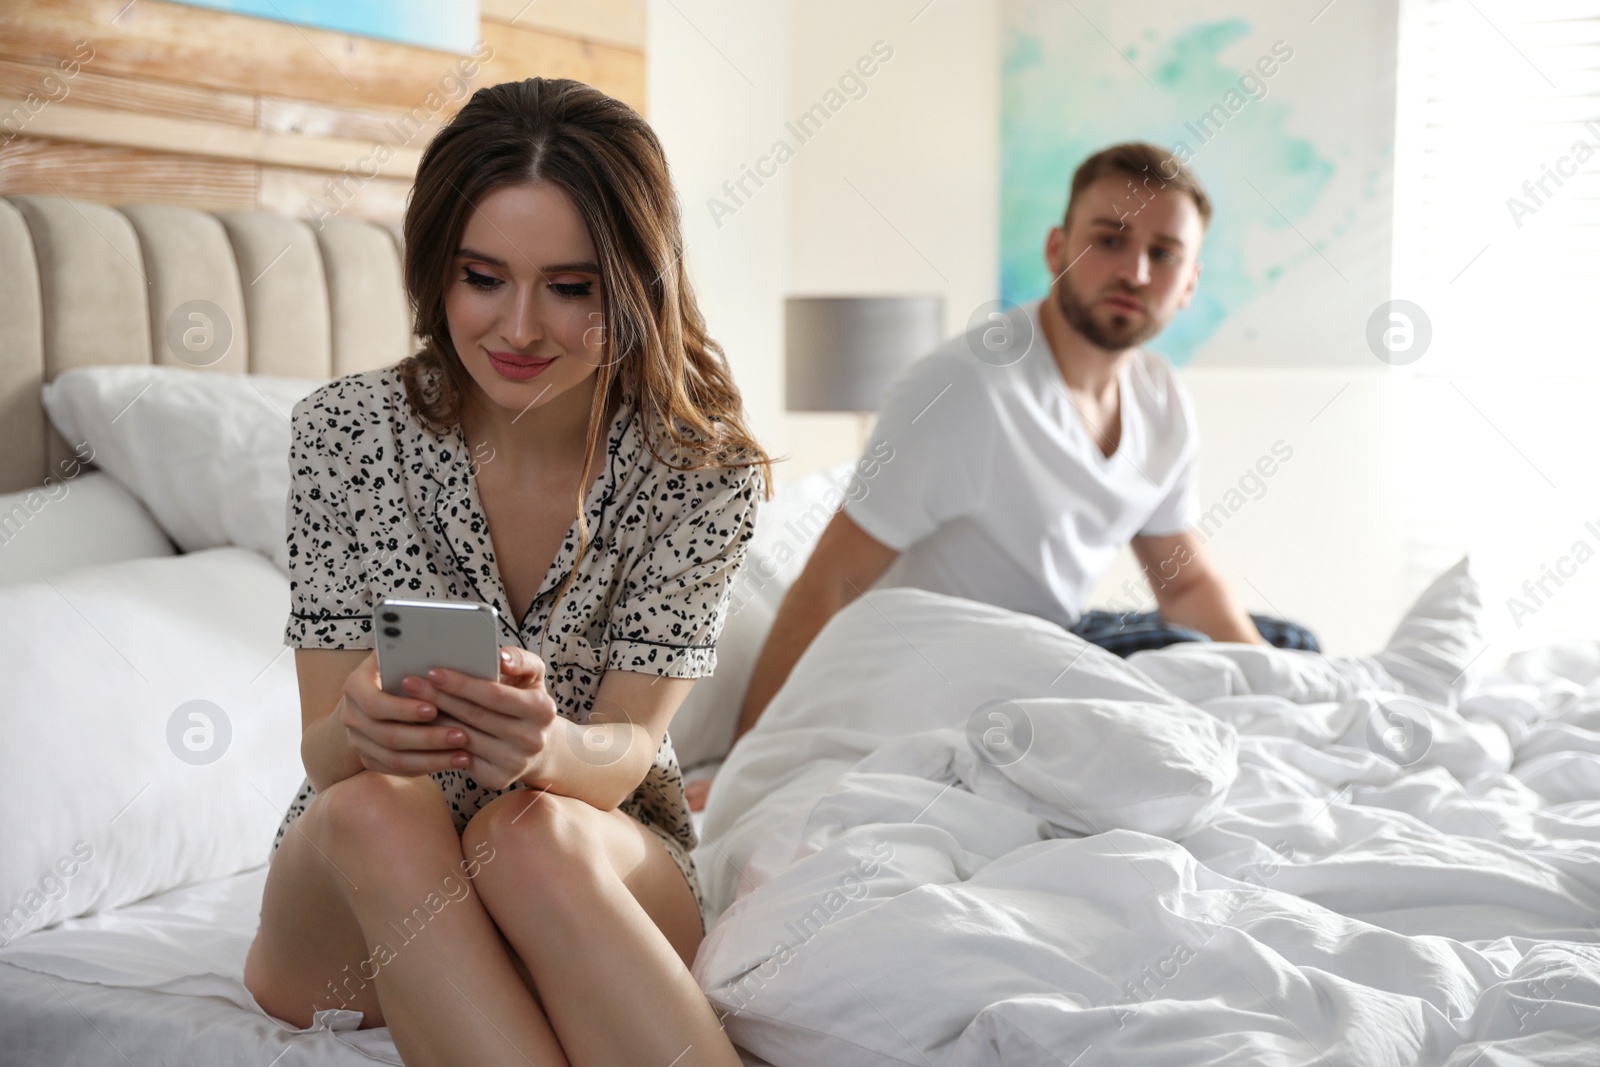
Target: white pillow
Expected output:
[104,795]
[73,521]
[702,729]
[208,454]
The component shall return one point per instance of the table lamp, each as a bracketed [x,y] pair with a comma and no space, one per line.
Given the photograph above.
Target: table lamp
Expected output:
[842,352]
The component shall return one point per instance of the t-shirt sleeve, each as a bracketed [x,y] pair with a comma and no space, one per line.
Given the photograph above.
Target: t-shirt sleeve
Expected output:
[330,600]
[931,449]
[1180,508]
[674,599]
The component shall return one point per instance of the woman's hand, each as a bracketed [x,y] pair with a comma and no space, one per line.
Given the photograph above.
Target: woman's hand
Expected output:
[383,728]
[510,724]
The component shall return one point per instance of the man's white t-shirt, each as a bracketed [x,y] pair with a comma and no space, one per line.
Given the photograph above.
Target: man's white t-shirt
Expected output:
[997,492]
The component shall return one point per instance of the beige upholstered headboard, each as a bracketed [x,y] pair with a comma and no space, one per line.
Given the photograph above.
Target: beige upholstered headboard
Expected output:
[83,283]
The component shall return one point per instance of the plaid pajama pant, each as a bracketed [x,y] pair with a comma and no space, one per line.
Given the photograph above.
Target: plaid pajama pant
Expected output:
[1136,631]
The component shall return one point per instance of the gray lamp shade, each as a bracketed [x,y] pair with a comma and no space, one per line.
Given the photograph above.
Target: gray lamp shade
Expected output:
[841,352]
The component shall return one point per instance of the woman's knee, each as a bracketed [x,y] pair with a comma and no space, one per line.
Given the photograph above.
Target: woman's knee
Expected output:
[379,811]
[537,846]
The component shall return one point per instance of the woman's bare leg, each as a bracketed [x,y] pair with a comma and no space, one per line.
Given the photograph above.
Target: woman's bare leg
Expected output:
[308,947]
[607,926]
[449,989]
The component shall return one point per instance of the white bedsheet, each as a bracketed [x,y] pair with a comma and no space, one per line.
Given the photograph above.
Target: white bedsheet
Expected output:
[190,942]
[888,905]
[161,981]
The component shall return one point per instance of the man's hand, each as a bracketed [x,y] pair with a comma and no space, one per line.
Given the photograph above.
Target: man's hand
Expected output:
[1189,591]
[844,563]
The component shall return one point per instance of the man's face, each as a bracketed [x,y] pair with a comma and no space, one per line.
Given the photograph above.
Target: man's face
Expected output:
[1127,260]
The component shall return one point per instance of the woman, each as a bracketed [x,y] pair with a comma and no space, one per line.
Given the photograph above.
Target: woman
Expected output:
[566,375]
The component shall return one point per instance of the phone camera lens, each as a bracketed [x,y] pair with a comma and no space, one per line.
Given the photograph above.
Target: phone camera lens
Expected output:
[390,616]
[391,631]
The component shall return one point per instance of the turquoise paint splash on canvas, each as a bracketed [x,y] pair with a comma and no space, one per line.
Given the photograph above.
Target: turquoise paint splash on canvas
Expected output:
[1067,93]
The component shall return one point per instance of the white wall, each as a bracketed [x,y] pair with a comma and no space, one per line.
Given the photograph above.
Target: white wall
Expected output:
[900,192]
[920,146]
[718,82]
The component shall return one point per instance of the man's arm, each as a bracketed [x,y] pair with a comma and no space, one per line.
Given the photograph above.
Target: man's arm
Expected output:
[1189,591]
[846,561]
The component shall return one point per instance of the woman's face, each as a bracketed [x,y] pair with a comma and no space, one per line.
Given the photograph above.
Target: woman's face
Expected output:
[524,300]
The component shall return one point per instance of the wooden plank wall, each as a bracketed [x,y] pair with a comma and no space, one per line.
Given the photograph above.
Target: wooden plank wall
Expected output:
[155,102]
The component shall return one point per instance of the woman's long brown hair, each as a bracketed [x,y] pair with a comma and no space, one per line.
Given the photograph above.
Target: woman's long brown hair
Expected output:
[608,160]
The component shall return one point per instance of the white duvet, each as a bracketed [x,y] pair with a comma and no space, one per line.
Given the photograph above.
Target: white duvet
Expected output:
[962,836]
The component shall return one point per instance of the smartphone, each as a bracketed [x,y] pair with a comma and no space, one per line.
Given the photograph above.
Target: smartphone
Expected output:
[415,636]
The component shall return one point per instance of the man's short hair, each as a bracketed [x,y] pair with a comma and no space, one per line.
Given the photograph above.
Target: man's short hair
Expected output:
[1140,162]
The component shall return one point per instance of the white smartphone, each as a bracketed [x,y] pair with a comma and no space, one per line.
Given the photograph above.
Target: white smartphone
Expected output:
[415,636]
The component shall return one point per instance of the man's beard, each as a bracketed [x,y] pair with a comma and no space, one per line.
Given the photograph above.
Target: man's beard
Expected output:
[1124,332]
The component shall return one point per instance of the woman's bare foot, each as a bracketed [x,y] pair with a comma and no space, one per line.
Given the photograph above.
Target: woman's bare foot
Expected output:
[696,793]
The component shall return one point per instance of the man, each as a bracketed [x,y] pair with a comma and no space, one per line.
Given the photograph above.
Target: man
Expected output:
[1027,453]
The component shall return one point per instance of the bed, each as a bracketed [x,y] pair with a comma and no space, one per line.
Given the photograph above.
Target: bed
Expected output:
[958,835]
